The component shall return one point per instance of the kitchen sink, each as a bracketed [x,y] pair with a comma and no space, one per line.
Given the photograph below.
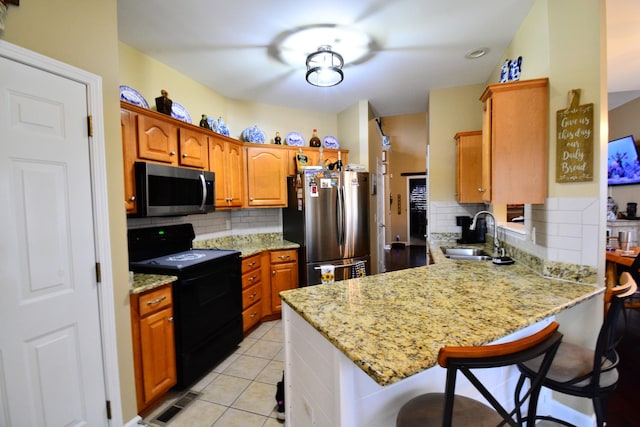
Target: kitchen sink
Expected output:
[469,254]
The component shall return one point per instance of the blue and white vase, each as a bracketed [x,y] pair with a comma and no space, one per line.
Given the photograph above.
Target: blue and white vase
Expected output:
[504,71]
[515,68]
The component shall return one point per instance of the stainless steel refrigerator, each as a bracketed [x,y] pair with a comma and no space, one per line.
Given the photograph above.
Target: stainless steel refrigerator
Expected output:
[328,215]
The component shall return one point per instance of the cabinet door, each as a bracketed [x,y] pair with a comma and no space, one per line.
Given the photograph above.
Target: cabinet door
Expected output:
[129,154]
[266,177]
[158,353]
[157,140]
[235,174]
[193,149]
[469,167]
[516,121]
[217,160]
[284,276]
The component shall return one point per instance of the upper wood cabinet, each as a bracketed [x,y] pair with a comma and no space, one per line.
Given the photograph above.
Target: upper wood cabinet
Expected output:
[226,159]
[515,148]
[157,140]
[193,148]
[129,154]
[469,167]
[266,176]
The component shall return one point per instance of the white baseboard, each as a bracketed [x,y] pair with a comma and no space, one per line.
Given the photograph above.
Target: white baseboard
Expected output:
[134,422]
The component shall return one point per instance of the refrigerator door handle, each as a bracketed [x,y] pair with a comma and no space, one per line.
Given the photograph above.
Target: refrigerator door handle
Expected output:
[340,217]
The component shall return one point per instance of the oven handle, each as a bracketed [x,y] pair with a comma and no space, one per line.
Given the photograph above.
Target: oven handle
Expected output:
[204,191]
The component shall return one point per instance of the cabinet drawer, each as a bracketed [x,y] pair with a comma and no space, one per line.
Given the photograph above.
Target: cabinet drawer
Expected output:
[251,316]
[251,295]
[251,278]
[154,300]
[250,263]
[284,256]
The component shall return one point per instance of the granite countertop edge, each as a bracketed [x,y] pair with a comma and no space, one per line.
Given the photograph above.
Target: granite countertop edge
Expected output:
[393,324]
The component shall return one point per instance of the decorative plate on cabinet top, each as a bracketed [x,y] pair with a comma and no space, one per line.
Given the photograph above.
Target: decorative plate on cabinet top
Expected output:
[331,142]
[294,139]
[253,134]
[180,113]
[132,96]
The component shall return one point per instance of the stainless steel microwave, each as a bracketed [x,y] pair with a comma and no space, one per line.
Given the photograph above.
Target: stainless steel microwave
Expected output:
[173,191]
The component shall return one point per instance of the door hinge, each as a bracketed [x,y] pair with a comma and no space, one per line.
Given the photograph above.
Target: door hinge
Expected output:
[108,409]
[98,272]
[90,125]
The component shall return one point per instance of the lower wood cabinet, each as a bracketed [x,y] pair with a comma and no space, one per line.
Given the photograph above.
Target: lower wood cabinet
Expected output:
[153,344]
[251,291]
[284,275]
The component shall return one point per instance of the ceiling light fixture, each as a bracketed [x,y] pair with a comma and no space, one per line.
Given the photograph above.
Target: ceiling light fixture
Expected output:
[476,53]
[324,67]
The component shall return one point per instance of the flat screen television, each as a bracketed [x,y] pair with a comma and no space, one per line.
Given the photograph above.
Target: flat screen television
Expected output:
[622,160]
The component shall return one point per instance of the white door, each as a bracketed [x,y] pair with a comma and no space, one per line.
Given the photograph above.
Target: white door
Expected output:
[51,367]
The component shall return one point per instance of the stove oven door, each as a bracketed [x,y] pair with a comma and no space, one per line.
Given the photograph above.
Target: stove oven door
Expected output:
[208,317]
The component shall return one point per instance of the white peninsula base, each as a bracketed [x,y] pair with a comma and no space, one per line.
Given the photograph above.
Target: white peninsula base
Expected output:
[325,388]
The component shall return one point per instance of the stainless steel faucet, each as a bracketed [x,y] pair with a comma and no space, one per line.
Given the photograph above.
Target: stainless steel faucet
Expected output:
[497,248]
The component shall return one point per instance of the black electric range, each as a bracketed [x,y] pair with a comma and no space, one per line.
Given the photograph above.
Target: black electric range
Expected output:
[207,297]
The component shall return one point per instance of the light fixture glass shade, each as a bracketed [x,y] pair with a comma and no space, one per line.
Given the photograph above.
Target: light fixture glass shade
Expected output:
[324,67]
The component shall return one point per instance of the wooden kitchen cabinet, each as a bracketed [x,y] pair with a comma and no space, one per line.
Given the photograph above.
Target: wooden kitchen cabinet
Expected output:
[266,169]
[129,155]
[157,140]
[469,167]
[251,291]
[226,159]
[193,148]
[153,344]
[284,275]
[515,140]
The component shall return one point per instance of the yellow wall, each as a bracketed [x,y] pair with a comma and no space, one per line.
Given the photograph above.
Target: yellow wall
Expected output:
[85,34]
[450,111]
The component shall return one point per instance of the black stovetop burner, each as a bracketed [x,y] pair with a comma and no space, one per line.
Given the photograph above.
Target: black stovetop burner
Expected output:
[167,248]
[180,260]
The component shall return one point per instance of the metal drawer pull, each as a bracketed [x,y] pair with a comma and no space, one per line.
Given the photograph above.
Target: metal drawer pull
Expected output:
[283,256]
[252,278]
[253,315]
[252,263]
[253,295]
[170,319]
[157,301]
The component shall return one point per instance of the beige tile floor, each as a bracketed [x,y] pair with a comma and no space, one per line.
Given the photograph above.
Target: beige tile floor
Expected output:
[240,391]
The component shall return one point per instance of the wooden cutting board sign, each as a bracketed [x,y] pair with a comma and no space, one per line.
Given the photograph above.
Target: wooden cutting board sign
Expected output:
[574,141]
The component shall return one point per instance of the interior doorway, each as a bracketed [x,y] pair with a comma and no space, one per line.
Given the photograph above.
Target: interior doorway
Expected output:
[417,210]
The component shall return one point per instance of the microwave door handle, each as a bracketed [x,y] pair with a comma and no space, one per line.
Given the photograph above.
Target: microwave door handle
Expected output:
[204,191]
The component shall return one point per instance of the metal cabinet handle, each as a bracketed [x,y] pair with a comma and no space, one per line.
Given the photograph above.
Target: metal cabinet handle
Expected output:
[273,273]
[283,256]
[252,315]
[252,263]
[132,198]
[172,153]
[185,155]
[253,295]
[252,278]
[481,190]
[157,300]
[170,319]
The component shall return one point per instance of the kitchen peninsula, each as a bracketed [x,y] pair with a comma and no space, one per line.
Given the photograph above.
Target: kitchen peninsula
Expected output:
[357,350]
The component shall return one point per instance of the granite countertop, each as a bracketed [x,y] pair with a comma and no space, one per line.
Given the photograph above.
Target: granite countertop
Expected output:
[249,244]
[146,282]
[392,325]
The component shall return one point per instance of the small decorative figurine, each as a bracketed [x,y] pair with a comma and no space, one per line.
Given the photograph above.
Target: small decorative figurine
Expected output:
[277,140]
[204,122]
[163,103]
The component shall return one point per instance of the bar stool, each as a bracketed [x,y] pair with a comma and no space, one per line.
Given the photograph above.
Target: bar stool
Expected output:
[434,409]
[581,371]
